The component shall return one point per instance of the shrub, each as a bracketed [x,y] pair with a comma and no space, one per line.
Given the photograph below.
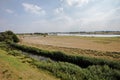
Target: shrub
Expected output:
[15,53]
[67,71]
[8,36]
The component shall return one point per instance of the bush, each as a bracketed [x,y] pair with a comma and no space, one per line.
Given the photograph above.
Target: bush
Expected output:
[67,71]
[8,36]
[15,53]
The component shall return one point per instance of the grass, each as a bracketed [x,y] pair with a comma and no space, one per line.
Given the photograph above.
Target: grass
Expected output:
[100,40]
[63,70]
[12,68]
[105,40]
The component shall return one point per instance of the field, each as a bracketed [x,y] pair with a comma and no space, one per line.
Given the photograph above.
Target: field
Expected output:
[75,45]
[102,44]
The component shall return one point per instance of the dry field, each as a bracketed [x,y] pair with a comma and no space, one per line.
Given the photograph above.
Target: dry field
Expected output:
[102,44]
[88,46]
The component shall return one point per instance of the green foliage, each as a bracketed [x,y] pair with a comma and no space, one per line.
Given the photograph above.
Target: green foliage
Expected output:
[104,72]
[8,36]
[63,70]
[59,56]
[4,46]
[67,71]
[15,53]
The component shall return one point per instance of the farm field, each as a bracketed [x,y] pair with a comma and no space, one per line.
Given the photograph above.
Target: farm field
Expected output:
[74,45]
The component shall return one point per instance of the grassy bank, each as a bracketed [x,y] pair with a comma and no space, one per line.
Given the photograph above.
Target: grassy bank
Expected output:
[16,68]
[16,65]
[65,70]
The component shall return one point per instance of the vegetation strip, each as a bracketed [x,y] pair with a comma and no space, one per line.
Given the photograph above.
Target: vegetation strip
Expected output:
[60,56]
[64,70]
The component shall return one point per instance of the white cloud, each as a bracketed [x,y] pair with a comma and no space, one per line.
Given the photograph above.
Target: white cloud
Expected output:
[33,8]
[57,24]
[58,10]
[100,20]
[76,3]
[9,11]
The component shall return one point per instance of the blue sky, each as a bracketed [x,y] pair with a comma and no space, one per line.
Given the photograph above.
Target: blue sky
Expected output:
[59,15]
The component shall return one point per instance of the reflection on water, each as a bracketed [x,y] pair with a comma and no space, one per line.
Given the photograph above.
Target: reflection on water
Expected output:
[89,35]
[37,57]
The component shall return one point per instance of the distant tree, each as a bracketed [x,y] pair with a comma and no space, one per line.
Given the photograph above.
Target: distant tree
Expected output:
[8,36]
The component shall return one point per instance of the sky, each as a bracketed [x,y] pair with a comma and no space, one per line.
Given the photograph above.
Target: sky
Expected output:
[25,16]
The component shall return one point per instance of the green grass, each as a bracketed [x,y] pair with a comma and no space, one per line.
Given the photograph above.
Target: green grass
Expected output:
[12,68]
[12,61]
[103,40]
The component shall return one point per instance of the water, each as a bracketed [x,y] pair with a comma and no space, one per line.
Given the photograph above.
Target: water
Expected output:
[37,57]
[89,35]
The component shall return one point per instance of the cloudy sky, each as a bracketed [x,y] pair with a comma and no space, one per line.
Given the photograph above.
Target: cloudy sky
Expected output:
[59,15]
